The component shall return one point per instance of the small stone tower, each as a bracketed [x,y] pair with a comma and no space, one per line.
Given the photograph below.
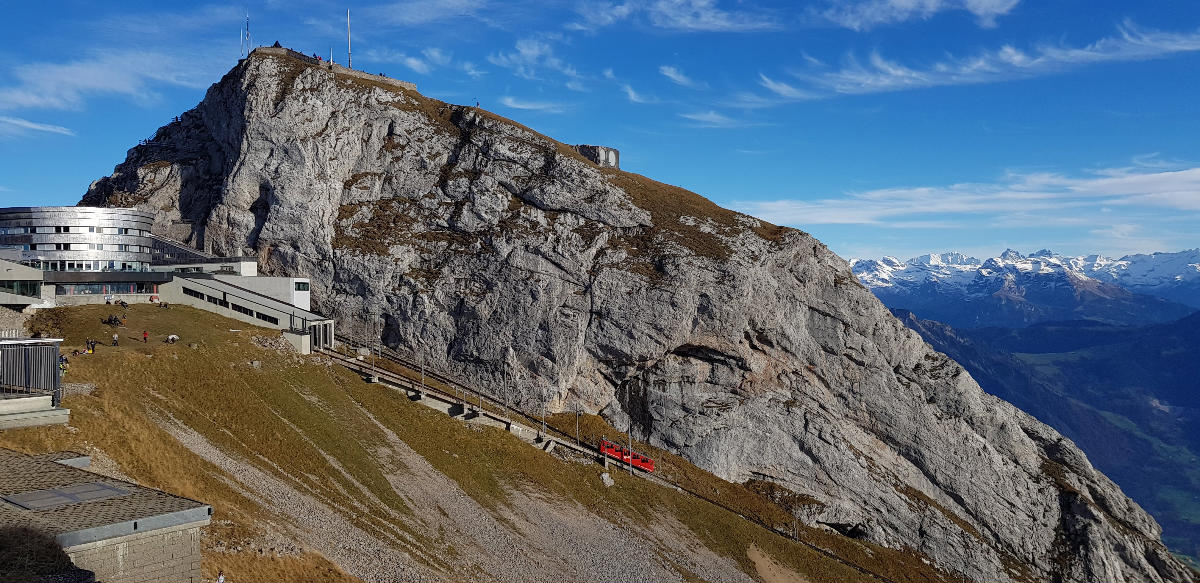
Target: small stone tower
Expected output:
[602,156]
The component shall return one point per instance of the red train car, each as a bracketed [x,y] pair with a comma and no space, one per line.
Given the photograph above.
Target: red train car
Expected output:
[626,455]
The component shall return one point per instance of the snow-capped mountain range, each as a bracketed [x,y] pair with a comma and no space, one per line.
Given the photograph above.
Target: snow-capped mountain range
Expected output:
[1017,290]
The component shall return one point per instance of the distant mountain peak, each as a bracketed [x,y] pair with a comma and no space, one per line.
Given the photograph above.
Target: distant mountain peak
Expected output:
[1041,286]
[1011,255]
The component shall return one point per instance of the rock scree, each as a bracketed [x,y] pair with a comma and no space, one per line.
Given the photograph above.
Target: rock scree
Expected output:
[506,258]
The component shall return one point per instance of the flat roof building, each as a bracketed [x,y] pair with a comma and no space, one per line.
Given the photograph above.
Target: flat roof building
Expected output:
[20,285]
[119,530]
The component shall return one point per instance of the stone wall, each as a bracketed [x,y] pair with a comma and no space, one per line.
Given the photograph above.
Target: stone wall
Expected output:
[170,555]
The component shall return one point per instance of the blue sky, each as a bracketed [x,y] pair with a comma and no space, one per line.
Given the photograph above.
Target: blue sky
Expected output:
[881,126]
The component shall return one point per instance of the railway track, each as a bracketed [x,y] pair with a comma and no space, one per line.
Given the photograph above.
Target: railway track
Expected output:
[561,437]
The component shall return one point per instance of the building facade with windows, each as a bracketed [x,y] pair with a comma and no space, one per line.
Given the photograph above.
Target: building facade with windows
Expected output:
[74,238]
[83,251]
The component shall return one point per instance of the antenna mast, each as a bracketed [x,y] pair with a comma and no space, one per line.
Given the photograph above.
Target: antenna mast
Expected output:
[247,46]
[349,58]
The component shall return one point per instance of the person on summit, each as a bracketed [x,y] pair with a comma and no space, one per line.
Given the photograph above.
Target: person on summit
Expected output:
[145,337]
[114,339]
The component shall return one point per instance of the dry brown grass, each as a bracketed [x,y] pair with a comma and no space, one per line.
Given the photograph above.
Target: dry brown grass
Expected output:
[137,382]
[307,566]
[389,222]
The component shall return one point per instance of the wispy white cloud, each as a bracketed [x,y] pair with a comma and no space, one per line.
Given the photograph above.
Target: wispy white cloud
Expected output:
[1028,199]
[530,56]
[750,100]
[678,15]
[417,64]
[679,78]
[867,14]
[711,119]
[169,25]
[704,16]
[600,14]
[542,106]
[608,74]
[783,89]
[431,58]
[880,74]
[811,60]
[634,96]
[15,126]
[471,70]
[411,13]
[131,74]
[436,56]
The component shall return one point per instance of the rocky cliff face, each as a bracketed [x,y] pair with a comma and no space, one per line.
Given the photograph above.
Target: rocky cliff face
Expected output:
[503,256]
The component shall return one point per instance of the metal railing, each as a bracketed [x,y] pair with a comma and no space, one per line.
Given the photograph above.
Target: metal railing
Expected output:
[30,370]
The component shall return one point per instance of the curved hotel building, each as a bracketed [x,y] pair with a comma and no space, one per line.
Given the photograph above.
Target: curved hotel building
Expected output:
[82,250]
[71,238]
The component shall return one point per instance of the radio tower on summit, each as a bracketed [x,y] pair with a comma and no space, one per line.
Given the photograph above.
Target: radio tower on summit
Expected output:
[244,38]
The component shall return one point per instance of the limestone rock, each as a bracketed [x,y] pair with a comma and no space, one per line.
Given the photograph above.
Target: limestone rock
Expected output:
[498,254]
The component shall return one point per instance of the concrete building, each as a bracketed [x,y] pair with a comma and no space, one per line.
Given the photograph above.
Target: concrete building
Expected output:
[602,156]
[224,295]
[120,531]
[293,290]
[20,286]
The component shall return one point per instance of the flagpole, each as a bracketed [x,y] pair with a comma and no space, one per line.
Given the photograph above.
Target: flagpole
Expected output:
[349,58]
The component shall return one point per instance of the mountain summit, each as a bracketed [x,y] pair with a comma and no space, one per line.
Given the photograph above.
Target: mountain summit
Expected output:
[507,258]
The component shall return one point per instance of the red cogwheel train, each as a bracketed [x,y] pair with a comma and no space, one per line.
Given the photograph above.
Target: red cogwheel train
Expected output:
[626,455]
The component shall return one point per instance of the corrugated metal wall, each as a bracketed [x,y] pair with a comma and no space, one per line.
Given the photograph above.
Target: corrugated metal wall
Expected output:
[29,368]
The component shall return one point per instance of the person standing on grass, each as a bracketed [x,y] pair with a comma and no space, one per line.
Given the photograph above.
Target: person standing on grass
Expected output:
[114,339]
[145,337]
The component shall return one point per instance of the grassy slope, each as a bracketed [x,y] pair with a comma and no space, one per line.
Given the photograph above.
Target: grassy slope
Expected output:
[288,414]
